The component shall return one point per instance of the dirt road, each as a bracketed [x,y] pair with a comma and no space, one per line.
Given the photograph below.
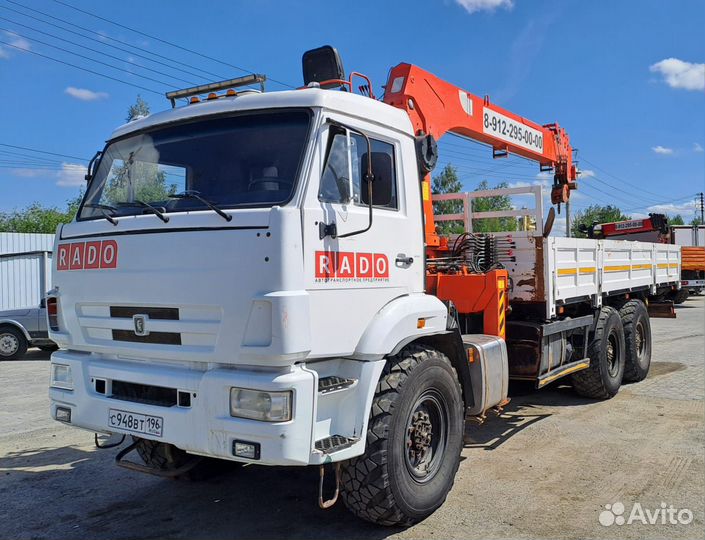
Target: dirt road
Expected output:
[545,469]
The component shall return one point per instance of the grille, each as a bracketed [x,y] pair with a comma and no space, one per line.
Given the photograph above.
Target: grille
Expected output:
[156,313]
[125,312]
[144,393]
[163,338]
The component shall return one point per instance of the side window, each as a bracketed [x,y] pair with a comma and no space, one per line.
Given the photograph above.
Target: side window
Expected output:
[343,179]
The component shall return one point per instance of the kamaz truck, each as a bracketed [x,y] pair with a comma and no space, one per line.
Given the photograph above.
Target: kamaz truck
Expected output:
[258,277]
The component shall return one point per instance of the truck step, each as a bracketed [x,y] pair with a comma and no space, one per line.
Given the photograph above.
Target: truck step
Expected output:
[334,443]
[333,383]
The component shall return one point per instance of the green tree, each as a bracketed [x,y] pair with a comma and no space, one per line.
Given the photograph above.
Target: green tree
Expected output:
[36,218]
[595,214]
[696,221]
[492,204]
[140,108]
[676,220]
[447,182]
[147,181]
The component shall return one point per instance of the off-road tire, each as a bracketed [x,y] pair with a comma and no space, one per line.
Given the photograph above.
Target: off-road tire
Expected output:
[13,335]
[603,378]
[165,457]
[637,339]
[680,296]
[379,486]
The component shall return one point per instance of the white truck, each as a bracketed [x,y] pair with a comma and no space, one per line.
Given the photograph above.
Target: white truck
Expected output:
[256,277]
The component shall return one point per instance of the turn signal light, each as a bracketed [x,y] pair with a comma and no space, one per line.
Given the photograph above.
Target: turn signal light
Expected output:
[53,313]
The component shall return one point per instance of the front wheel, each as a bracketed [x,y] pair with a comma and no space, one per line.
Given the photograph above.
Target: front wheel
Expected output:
[13,344]
[414,439]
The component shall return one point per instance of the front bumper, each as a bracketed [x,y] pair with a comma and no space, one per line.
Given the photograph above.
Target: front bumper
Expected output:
[206,427]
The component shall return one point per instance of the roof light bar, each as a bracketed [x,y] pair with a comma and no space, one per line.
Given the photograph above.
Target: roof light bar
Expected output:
[214,87]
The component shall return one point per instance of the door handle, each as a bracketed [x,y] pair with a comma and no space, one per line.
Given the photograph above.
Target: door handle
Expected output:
[404,260]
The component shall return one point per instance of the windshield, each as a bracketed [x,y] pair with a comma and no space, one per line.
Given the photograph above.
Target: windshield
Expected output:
[245,160]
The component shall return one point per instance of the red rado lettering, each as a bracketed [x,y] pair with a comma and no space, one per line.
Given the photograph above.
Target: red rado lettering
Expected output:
[95,255]
[351,266]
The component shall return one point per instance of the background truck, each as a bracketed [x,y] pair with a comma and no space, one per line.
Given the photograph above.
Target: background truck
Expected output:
[258,277]
[655,228]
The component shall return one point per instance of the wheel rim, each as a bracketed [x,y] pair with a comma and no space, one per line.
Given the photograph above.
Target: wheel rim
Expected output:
[612,355]
[639,340]
[426,436]
[9,344]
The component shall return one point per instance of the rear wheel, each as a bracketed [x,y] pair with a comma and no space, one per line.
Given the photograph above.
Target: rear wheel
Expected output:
[414,439]
[13,344]
[607,354]
[680,296]
[637,337]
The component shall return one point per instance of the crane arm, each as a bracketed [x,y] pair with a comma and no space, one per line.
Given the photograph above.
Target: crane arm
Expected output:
[437,107]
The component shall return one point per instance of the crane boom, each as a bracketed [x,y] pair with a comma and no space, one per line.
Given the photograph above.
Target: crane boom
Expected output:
[437,107]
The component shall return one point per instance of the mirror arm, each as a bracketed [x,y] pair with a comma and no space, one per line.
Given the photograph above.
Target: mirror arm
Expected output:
[91,163]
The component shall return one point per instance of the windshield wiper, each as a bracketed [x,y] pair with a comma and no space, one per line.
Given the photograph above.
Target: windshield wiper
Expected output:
[105,208]
[153,209]
[190,194]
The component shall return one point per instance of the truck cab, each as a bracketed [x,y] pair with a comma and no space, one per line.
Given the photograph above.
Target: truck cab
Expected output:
[251,323]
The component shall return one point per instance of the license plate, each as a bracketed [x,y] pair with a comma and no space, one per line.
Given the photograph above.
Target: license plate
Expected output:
[137,423]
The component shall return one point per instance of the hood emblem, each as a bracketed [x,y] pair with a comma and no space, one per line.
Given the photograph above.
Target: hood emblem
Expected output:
[140,322]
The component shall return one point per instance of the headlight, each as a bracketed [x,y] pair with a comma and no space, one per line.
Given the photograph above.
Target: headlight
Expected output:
[260,405]
[61,377]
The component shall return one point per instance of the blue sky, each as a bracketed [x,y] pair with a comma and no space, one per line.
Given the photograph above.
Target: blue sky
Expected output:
[625,78]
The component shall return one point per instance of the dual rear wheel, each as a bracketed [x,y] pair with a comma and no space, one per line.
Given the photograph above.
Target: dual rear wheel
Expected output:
[619,350]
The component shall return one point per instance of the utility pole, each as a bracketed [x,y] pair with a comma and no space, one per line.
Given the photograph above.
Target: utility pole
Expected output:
[702,208]
[567,218]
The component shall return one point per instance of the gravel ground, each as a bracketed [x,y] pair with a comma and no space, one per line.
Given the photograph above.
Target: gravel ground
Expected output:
[546,468]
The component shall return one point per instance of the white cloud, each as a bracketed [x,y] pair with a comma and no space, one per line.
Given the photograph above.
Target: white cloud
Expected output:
[684,208]
[473,6]
[662,150]
[680,74]
[83,94]
[16,41]
[29,173]
[71,175]
[586,173]
[697,148]
[519,184]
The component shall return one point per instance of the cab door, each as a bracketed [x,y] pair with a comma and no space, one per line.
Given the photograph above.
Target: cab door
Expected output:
[352,271]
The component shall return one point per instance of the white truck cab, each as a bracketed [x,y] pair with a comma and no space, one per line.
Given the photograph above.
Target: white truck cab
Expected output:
[245,335]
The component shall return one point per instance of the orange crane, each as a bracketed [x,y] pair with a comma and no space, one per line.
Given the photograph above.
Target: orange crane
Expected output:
[437,107]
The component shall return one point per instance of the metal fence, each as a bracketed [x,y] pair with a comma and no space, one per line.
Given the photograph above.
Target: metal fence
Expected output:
[467,216]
